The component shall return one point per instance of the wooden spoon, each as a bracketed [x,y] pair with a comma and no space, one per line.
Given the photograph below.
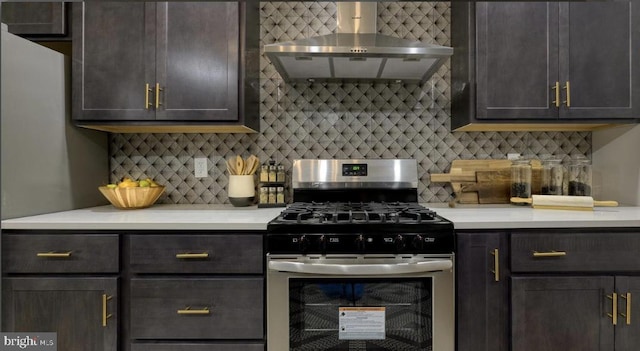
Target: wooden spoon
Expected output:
[251,166]
[231,167]
[239,165]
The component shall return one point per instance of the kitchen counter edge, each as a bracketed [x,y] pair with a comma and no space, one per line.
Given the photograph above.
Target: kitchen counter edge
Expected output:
[227,217]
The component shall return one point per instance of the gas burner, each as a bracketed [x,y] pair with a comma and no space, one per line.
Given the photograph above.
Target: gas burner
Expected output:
[360,212]
[357,207]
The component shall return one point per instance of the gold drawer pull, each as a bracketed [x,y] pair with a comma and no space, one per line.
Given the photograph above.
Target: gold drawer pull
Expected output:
[552,253]
[158,90]
[193,255]
[627,315]
[614,308]
[496,264]
[54,254]
[188,310]
[556,88]
[147,90]
[567,87]
[105,316]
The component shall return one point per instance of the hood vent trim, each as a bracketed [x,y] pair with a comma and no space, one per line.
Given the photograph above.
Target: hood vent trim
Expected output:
[357,53]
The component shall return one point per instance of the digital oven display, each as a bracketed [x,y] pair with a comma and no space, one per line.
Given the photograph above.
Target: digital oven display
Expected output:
[354,170]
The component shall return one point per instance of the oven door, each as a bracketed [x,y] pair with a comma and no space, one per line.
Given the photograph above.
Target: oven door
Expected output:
[360,303]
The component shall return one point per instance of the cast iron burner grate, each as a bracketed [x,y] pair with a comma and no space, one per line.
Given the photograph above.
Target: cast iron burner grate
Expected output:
[358,212]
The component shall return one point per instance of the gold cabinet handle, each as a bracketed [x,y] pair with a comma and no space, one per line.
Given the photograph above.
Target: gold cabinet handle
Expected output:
[614,309]
[496,264]
[193,255]
[556,87]
[567,87]
[105,316]
[147,90]
[551,253]
[627,314]
[158,90]
[188,310]
[54,254]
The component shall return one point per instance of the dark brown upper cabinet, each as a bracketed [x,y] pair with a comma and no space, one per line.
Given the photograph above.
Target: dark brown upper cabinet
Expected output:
[36,19]
[166,66]
[570,63]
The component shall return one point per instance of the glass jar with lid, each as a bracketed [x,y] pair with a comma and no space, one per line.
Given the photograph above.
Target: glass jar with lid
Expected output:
[520,179]
[580,176]
[552,177]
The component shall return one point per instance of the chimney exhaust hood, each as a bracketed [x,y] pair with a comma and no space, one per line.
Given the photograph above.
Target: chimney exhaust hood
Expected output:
[356,52]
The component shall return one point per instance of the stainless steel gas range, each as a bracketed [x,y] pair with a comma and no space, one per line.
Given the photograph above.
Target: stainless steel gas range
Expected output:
[355,263]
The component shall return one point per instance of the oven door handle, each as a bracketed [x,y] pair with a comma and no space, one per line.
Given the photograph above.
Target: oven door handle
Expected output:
[361,269]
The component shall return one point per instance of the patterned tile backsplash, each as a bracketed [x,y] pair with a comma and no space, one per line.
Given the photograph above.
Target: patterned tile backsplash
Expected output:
[331,120]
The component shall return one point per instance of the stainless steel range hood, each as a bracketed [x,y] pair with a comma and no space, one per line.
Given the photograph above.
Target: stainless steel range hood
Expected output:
[356,52]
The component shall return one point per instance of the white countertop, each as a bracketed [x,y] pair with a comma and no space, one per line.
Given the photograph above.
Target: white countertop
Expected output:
[157,217]
[513,217]
[226,217]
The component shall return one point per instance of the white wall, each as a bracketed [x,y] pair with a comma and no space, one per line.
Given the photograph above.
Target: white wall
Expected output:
[616,164]
[48,165]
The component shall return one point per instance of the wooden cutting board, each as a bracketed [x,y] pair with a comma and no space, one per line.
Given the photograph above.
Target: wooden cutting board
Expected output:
[484,181]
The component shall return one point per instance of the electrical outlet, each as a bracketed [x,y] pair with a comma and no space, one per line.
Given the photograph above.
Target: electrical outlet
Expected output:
[513,156]
[200,167]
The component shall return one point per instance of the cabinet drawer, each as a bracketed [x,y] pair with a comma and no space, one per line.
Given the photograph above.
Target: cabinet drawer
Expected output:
[196,253]
[60,253]
[197,347]
[575,252]
[203,308]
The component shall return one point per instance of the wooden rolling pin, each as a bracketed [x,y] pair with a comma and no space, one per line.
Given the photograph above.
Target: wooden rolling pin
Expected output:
[560,202]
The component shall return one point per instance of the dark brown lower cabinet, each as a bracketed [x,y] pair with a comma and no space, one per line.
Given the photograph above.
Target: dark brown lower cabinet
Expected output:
[628,328]
[548,290]
[82,311]
[562,313]
[482,292]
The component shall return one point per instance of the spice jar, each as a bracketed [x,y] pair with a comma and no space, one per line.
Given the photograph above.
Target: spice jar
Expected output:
[280,195]
[264,173]
[520,179]
[552,177]
[264,195]
[272,194]
[272,173]
[280,174]
[580,177]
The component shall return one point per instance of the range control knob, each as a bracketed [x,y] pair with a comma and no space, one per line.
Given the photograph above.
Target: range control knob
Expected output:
[360,243]
[323,243]
[399,242]
[418,242]
[303,244]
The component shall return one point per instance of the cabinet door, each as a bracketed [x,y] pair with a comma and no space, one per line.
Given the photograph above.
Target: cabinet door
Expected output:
[113,60]
[598,44]
[38,18]
[482,307]
[198,60]
[628,328]
[74,308]
[558,313]
[517,60]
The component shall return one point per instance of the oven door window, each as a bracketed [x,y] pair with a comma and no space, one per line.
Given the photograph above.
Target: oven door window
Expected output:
[403,306]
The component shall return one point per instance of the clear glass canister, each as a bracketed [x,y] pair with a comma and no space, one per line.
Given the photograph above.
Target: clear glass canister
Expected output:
[580,176]
[552,177]
[521,179]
